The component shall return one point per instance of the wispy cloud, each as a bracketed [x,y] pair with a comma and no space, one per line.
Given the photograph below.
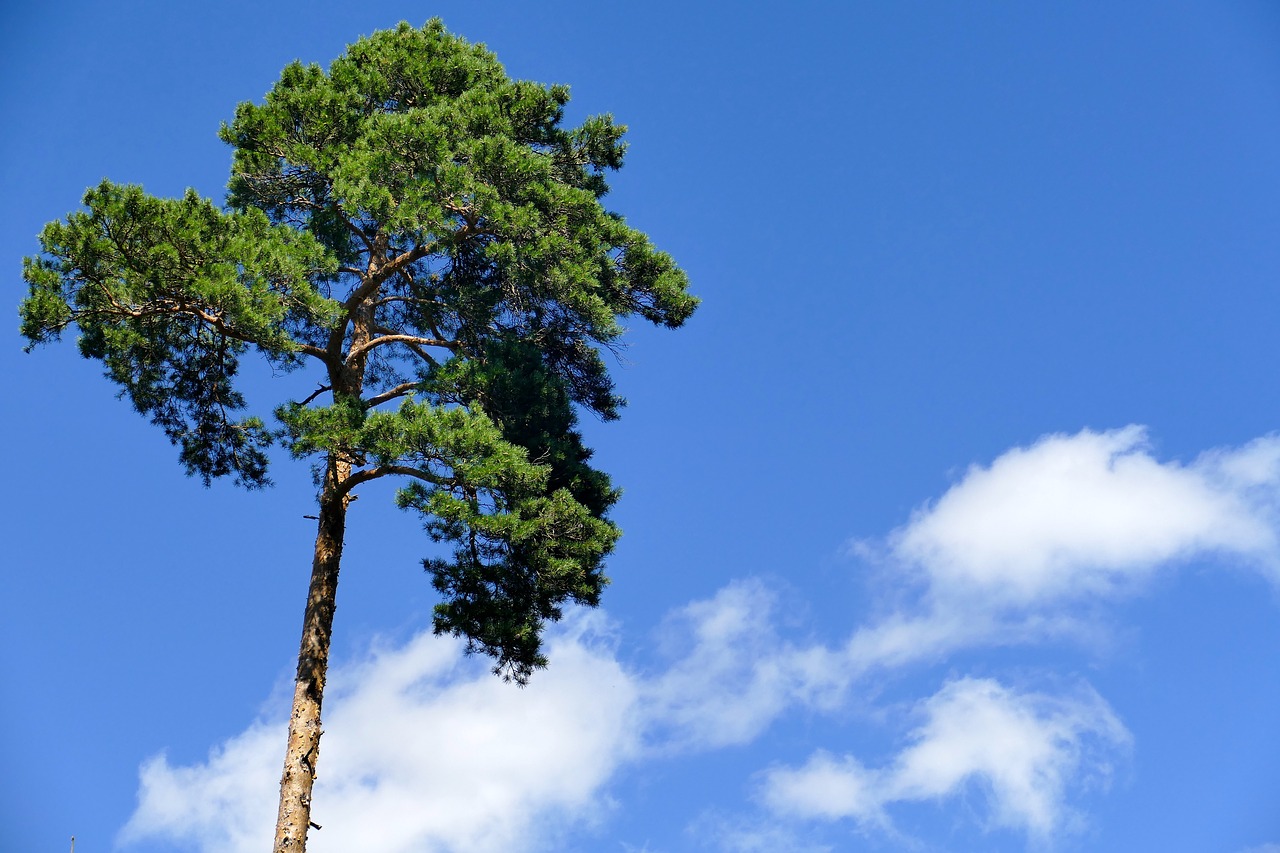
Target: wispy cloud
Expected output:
[223,804]
[731,674]
[1021,749]
[425,751]
[735,834]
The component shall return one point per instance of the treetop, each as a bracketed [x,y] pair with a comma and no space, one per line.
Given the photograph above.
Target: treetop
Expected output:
[424,231]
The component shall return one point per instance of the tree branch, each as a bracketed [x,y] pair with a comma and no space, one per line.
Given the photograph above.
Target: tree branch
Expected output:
[355,229]
[413,300]
[367,474]
[390,394]
[222,328]
[414,340]
[422,354]
[315,394]
[171,306]
[376,275]
[405,258]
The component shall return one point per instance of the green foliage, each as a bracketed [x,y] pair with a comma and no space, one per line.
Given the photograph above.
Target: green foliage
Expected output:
[511,381]
[511,568]
[419,138]
[422,229]
[168,294]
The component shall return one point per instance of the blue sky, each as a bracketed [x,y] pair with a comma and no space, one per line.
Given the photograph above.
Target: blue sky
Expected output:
[952,519]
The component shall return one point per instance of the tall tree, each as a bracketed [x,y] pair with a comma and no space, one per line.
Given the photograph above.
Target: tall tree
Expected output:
[423,232]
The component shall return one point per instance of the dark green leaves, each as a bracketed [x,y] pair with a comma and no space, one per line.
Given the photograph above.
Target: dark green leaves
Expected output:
[511,571]
[521,547]
[511,496]
[513,384]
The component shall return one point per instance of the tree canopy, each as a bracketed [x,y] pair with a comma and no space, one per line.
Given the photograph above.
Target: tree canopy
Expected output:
[427,234]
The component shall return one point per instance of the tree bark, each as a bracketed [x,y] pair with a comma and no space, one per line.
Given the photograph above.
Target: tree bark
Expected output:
[303,750]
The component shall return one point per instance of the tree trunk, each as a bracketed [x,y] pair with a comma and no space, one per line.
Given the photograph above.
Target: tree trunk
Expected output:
[313,661]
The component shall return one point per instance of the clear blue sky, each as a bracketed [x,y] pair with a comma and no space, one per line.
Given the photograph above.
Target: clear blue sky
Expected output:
[952,518]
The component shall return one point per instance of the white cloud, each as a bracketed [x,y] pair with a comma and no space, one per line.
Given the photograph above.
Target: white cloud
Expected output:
[425,751]
[726,684]
[734,834]
[733,675]
[226,804]
[474,761]
[1007,552]
[422,752]
[1077,515]
[827,787]
[1023,750]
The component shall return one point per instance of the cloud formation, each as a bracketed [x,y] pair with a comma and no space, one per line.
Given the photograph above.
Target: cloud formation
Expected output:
[1011,551]
[425,751]
[1080,515]
[1021,749]
[731,674]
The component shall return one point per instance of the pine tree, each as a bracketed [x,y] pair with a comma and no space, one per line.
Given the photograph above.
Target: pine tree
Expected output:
[425,234]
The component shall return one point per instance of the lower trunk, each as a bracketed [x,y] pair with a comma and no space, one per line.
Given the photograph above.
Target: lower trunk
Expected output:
[313,660]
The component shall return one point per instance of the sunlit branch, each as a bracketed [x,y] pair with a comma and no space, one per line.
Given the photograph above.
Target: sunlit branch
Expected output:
[390,394]
[383,340]
[367,474]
